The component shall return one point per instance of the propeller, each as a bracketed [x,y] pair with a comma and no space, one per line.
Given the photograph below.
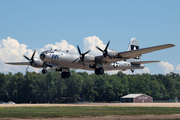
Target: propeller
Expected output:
[105,52]
[82,55]
[30,60]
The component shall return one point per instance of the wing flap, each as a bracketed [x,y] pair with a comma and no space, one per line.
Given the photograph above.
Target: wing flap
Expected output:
[19,63]
[144,62]
[131,54]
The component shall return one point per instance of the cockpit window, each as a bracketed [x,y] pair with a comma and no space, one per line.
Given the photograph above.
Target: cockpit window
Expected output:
[48,51]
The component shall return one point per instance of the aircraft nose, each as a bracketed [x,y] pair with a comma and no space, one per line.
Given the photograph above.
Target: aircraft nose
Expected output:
[42,56]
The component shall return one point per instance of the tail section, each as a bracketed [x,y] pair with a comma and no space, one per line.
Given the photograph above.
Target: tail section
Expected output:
[133,45]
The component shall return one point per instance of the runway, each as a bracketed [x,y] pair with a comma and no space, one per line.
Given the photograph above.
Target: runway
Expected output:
[98,104]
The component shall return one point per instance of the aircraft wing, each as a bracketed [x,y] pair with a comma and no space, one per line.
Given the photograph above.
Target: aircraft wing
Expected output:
[144,62]
[19,63]
[131,54]
[137,53]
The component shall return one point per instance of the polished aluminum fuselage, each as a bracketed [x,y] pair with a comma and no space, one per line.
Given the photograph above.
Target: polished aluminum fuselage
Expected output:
[60,59]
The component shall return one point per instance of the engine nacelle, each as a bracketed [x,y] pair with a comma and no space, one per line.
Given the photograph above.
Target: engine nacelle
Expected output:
[37,63]
[112,53]
[89,58]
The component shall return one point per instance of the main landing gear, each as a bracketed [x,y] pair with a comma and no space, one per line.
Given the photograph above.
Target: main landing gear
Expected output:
[99,71]
[65,74]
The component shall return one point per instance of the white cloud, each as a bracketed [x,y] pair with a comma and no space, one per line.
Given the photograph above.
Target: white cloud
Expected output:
[63,46]
[166,67]
[12,51]
[112,72]
[90,43]
[178,67]
[116,71]
[145,70]
[127,72]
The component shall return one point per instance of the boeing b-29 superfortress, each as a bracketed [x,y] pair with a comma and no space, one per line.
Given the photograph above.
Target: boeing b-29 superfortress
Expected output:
[108,61]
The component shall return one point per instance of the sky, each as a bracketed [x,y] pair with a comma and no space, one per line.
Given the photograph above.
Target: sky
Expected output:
[26,25]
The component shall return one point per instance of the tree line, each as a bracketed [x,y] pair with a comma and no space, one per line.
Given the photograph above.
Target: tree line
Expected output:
[36,87]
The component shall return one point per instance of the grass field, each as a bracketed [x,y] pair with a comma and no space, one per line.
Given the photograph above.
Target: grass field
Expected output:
[61,111]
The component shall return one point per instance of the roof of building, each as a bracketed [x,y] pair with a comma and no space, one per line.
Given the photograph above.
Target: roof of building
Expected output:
[131,95]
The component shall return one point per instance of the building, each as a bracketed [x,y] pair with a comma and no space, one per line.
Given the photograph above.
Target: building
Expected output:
[136,98]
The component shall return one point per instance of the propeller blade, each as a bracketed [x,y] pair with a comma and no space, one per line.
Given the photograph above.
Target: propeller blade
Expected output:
[99,48]
[87,52]
[75,60]
[107,46]
[27,68]
[30,60]
[26,57]
[79,50]
[105,52]
[81,55]
[33,55]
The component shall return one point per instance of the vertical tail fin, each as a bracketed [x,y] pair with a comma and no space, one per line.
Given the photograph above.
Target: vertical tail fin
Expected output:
[133,45]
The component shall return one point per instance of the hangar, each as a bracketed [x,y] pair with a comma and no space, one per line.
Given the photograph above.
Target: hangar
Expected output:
[136,98]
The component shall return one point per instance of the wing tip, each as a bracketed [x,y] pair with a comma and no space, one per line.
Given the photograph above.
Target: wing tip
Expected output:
[171,45]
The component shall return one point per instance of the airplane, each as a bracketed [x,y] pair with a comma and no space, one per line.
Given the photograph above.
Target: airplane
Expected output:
[108,61]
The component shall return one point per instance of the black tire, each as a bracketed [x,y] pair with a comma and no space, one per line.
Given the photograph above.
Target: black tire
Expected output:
[97,71]
[101,71]
[44,71]
[65,74]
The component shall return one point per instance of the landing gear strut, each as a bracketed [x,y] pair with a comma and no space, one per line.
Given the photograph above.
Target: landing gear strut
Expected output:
[44,70]
[99,71]
[65,74]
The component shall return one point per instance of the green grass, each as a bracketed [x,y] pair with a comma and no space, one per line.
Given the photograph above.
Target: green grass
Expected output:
[30,112]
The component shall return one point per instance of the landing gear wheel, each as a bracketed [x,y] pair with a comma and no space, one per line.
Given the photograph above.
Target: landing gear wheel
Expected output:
[99,71]
[44,71]
[65,74]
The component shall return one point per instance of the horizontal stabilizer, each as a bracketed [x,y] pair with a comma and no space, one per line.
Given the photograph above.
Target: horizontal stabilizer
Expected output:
[144,62]
[19,63]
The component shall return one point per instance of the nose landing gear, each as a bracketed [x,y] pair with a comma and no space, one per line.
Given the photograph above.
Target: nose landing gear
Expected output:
[44,71]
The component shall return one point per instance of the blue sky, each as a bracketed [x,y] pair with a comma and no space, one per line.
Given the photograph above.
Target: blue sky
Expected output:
[37,23]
